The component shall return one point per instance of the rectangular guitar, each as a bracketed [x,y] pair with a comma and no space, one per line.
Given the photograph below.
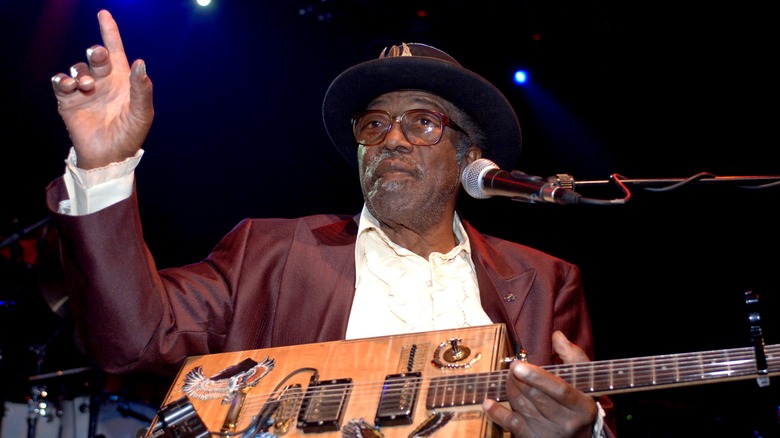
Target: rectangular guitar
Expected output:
[394,386]
[413,385]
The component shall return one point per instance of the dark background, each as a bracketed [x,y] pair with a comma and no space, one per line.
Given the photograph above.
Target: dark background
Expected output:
[646,90]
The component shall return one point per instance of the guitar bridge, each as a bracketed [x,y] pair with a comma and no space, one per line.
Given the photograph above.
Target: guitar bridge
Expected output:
[289,404]
[324,404]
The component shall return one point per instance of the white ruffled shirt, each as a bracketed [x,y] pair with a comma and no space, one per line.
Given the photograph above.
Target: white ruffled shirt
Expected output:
[398,291]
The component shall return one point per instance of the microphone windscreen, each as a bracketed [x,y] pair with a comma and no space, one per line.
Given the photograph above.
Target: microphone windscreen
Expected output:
[472,176]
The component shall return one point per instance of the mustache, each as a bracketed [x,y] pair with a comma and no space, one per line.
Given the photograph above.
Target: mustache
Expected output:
[384,155]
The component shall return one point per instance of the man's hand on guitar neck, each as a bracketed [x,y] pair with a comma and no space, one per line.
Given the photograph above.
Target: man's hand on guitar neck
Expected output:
[542,403]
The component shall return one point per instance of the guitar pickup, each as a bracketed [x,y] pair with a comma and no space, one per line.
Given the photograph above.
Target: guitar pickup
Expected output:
[398,399]
[323,406]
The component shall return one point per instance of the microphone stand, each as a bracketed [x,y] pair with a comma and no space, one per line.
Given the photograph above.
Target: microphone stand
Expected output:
[751,182]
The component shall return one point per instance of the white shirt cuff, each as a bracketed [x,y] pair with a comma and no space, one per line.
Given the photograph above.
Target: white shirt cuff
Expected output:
[95,189]
[598,427]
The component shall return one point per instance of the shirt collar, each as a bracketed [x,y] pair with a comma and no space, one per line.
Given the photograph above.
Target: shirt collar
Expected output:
[368,223]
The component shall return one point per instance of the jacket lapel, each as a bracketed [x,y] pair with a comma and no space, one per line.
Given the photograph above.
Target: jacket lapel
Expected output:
[502,289]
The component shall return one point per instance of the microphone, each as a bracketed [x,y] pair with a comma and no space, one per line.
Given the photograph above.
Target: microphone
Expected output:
[483,178]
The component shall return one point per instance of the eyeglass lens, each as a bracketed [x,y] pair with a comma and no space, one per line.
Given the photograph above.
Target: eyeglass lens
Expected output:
[421,127]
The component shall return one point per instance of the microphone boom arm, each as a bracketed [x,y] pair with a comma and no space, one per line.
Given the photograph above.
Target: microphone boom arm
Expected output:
[482,178]
[752,182]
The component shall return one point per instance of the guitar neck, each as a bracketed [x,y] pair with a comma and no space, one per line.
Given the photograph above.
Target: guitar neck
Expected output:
[617,376]
[666,371]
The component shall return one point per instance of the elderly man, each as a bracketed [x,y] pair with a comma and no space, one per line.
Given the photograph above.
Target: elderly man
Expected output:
[411,121]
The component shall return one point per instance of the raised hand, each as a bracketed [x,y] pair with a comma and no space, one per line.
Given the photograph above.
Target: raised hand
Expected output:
[106,103]
[543,404]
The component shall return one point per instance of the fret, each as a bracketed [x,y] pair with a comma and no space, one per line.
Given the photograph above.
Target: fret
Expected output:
[666,370]
[469,395]
[712,366]
[676,369]
[591,375]
[602,376]
[498,387]
[653,365]
[622,373]
[481,388]
[643,373]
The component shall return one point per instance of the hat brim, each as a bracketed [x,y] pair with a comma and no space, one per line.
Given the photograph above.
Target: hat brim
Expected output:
[357,86]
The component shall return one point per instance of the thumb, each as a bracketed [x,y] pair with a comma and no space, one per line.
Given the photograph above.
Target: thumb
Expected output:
[568,352]
[140,88]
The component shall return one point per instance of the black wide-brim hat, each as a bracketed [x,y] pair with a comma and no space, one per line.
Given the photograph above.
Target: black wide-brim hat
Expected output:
[414,66]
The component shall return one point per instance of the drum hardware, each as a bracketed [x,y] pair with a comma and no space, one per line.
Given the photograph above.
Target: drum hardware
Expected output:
[35,327]
[39,402]
[39,407]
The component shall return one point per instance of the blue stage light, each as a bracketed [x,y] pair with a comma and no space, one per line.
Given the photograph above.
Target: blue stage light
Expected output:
[521,77]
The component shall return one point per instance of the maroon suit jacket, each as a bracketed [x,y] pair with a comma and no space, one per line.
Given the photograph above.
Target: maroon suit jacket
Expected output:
[274,282]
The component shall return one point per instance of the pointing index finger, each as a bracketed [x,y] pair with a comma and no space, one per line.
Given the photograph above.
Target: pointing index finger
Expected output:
[109,31]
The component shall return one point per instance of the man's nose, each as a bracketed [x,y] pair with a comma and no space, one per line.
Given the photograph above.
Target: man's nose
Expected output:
[396,137]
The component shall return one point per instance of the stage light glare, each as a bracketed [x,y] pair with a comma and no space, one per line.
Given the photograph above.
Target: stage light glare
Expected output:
[521,77]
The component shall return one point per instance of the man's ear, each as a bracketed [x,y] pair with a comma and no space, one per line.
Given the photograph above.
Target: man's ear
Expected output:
[474,153]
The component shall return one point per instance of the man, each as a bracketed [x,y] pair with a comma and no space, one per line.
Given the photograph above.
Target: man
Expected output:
[407,263]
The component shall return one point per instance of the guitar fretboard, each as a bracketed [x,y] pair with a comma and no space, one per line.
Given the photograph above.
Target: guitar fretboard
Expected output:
[615,376]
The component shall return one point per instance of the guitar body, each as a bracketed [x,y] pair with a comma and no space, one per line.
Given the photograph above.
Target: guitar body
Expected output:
[340,388]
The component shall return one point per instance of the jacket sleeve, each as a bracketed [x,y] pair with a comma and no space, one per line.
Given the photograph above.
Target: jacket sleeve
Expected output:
[109,272]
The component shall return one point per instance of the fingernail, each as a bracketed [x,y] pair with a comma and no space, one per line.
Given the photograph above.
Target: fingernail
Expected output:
[140,70]
[89,52]
[520,370]
[86,81]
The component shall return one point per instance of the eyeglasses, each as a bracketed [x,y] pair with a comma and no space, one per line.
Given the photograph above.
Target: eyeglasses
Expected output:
[420,126]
